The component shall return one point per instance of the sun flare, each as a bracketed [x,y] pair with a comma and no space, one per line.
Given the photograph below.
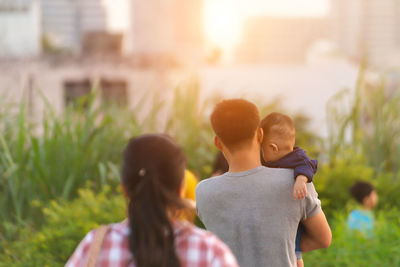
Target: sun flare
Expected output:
[223,24]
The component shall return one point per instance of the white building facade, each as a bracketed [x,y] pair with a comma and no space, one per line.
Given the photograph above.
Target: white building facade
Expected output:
[172,28]
[20,29]
[368,28]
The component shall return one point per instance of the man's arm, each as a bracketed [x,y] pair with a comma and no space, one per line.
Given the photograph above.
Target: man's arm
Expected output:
[317,233]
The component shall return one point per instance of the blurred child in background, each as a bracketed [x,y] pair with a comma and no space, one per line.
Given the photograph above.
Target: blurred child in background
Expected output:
[188,194]
[190,183]
[362,218]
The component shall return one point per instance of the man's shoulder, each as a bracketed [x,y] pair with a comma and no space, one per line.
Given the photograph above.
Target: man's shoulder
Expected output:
[277,174]
[208,183]
[262,175]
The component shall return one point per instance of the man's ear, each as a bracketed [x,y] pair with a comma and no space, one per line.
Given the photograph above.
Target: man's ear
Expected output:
[260,135]
[218,143]
[274,147]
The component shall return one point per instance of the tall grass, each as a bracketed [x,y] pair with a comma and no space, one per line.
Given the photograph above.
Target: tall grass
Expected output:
[367,122]
[188,123]
[83,147]
[363,144]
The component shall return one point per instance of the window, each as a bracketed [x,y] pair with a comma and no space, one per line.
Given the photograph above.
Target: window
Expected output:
[114,92]
[75,90]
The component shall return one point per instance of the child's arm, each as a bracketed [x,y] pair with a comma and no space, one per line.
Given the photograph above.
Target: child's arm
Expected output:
[304,169]
[300,187]
[304,172]
[306,166]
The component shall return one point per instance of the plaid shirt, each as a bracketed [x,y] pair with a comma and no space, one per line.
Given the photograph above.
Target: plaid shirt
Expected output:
[194,247]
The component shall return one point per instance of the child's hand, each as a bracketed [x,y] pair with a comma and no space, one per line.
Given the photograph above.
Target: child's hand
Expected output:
[300,188]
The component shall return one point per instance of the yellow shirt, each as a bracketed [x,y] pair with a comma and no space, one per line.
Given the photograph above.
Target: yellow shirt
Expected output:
[190,185]
[189,188]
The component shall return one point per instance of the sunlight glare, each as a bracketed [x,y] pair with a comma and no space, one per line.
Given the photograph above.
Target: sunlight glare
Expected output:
[223,24]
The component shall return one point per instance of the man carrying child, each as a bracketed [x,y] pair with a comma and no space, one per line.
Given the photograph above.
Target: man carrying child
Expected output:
[251,207]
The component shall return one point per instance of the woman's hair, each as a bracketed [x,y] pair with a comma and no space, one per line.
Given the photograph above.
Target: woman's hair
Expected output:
[152,173]
[220,164]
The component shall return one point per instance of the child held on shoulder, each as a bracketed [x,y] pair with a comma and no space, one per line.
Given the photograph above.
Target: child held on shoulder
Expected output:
[278,151]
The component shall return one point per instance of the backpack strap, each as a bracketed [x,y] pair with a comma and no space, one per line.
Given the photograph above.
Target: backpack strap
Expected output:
[95,247]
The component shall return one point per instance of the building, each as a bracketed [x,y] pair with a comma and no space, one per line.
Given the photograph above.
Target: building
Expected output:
[367,28]
[20,28]
[279,39]
[61,81]
[66,23]
[151,31]
[169,29]
[74,48]
[30,27]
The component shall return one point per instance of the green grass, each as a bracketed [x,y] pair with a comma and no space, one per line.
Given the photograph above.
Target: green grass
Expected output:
[350,248]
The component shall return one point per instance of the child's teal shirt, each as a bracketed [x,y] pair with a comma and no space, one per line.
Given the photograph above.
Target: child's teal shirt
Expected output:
[362,220]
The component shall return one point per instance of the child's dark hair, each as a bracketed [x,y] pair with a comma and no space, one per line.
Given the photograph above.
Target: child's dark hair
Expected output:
[235,121]
[220,164]
[152,173]
[278,124]
[360,190]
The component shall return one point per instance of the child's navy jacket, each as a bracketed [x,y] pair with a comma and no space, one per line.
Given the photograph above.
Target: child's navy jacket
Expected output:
[297,160]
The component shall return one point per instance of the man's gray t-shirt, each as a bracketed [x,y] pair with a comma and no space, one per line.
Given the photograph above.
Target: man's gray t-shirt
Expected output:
[255,214]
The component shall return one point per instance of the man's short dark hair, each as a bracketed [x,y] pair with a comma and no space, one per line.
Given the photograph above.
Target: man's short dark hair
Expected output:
[235,121]
[361,190]
[278,125]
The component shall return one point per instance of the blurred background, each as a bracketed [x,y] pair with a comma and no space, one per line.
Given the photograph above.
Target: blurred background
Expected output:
[79,77]
[255,48]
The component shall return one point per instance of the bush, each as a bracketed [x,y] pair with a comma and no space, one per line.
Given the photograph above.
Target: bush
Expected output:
[64,226]
[334,180]
[350,248]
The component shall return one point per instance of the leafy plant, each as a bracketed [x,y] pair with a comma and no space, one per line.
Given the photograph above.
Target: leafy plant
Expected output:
[366,121]
[83,144]
[65,225]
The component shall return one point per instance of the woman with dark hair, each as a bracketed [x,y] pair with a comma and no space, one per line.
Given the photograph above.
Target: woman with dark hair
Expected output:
[152,236]
[220,165]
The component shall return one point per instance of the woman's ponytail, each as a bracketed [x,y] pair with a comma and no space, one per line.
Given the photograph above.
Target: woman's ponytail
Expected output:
[152,174]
